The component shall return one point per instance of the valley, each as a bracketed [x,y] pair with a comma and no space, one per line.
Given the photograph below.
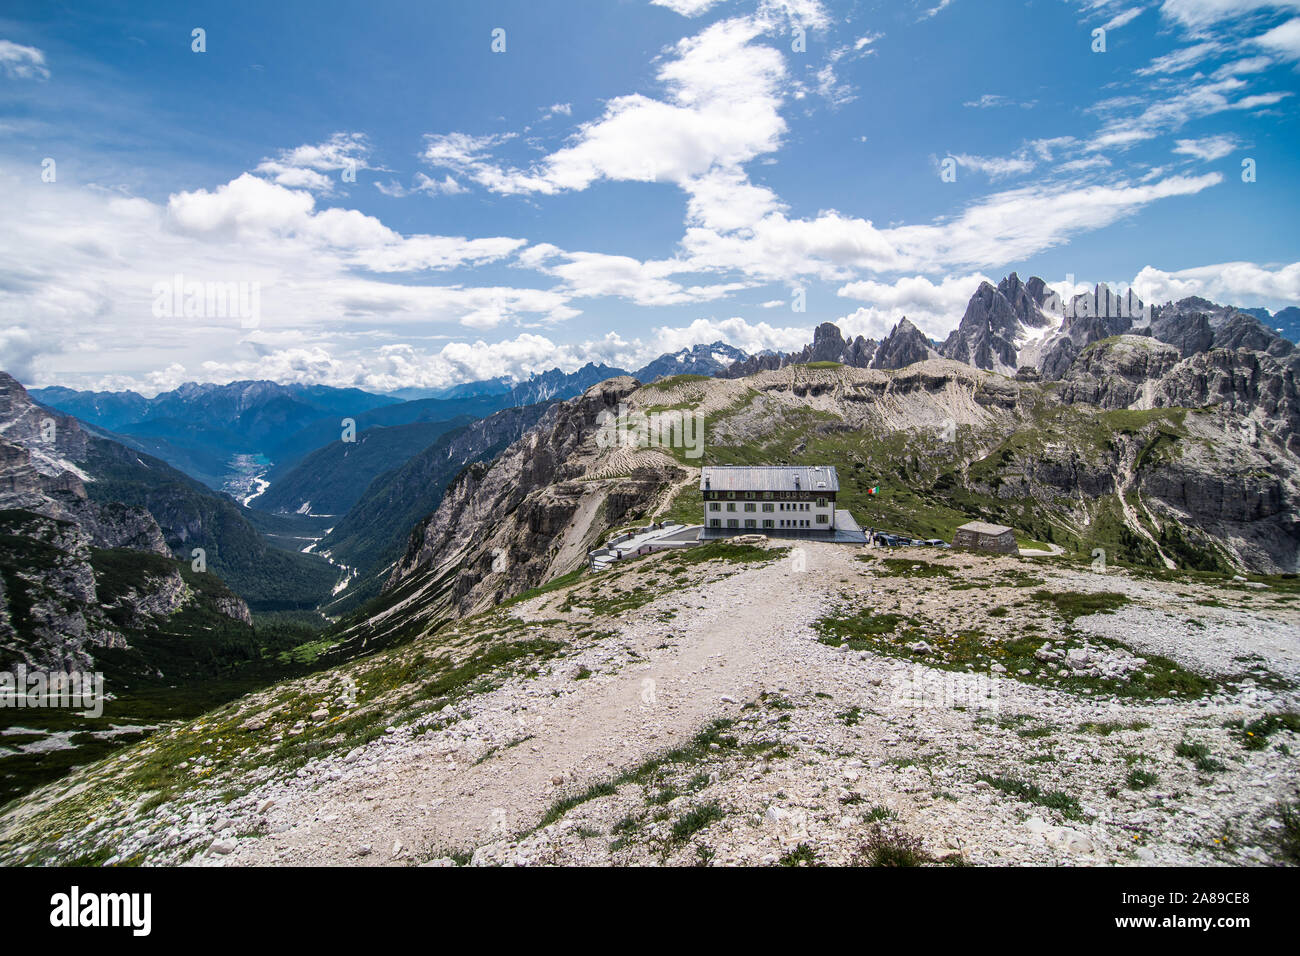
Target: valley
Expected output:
[385,647]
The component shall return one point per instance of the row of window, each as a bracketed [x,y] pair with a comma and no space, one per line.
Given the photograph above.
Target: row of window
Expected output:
[765,495]
[767,508]
[770,522]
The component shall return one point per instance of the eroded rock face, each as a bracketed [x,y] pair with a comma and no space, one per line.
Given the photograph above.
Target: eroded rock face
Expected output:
[1118,374]
[53,615]
[1255,385]
[510,525]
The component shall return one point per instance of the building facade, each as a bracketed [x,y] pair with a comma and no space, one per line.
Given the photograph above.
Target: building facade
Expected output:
[791,501]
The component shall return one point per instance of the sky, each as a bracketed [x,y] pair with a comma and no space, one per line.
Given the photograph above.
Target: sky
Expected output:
[412,194]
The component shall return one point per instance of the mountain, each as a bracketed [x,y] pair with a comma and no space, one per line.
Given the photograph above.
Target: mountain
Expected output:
[555,384]
[330,480]
[707,360]
[650,712]
[828,345]
[904,345]
[371,536]
[83,582]
[1285,322]
[489,386]
[196,425]
[96,474]
[1004,326]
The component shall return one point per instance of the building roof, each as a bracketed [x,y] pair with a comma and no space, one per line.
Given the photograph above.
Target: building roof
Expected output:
[983,527]
[769,478]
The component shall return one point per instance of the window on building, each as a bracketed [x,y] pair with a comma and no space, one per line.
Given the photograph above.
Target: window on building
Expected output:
[731,506]
[823,519]
[732,523]
[715,522]
[767,508]
[749,523]
[749,506]
[821,502]
[767,522]
[715,507]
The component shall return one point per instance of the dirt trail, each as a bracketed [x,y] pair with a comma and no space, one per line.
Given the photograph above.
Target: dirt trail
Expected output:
[431,799]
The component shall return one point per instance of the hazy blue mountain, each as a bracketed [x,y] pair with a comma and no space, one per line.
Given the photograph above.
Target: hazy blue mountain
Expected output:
[329,480]
[1286,322]
[195,426]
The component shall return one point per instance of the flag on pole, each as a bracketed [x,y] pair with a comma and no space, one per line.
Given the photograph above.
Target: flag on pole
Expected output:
[875,489]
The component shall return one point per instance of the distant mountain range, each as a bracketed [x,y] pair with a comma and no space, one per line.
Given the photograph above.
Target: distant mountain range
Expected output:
[1025,328]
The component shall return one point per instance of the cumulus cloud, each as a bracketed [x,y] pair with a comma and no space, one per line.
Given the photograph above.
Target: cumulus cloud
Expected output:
[720,110]
[933,307]
[1244,284]
[310,166]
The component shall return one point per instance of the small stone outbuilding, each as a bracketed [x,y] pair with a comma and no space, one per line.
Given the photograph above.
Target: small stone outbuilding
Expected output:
[983,536]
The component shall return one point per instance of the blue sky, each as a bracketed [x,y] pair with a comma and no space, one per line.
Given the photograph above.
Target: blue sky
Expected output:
[626,177]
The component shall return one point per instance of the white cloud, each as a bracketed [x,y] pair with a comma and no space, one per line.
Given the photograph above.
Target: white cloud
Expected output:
[1123,18]
[1283,39]
[1206,149]
[687,8]
[996,100]
[22,62]
[721,110]
[1181,59]
[933,307]
[936,9]
[1009,226]
[1243,284]
[996,167]
[18,350]
[1194,101]
[307,166]
[752,337]
[591,274]
[251,210]
[1203,13]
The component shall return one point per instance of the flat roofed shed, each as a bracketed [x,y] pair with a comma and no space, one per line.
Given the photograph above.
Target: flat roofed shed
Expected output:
[811,478]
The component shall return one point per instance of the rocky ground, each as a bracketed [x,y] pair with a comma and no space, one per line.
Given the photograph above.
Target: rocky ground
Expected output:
[684,712]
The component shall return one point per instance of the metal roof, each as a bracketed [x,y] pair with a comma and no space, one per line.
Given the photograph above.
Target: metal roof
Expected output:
[983,527]
[769,478]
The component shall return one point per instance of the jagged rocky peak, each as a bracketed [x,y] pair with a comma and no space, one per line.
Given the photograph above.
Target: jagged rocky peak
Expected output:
[904,345]
[828,345]
[1196,325]
[1004,326]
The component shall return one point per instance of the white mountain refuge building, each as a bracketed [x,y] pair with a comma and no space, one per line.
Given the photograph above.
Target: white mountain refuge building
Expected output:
[794,501]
